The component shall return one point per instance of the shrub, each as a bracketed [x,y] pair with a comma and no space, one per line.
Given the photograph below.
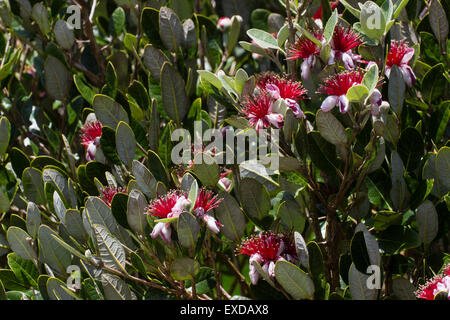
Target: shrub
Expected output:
[120,177]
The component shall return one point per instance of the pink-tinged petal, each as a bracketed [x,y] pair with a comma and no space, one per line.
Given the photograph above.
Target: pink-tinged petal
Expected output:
[375,98]
[90,151]
[276,120]
[387,72]
[329,103]
[211,223]
[408,75]
[306,69]
[273,90]
[331,58]
[344,104]
[347,60]
[294,106]
[271,269]
[253,274]
[163,230]
[225,183]
[408,56]
[265,267]
[181,205]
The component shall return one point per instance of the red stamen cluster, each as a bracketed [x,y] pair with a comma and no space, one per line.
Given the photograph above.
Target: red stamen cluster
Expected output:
[426,291]
[345,39]
[108,193]
[396,53]
[339,84]
[163,205]
[206,200]
[90,132]
[266,244]
[304,48]
[289,89]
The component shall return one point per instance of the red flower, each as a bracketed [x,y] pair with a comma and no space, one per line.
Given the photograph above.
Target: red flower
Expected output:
[168,206]
[258,110]
[108,193]
[342,43]
[206,201]
[439,283]
[285,88]
[163,206]
[267,248]
[303,48]
[336,88]
[90,138]
[91,131]
[399,55]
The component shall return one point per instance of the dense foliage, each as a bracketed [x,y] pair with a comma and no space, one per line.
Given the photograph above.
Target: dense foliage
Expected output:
[93,205]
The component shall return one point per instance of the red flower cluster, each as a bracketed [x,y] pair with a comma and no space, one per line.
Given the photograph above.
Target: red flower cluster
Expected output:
[90,138]
[266,249]
[439,283]
[107,194]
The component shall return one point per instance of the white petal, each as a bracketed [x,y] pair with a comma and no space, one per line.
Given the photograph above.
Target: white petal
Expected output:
[343,104]
[271,270]
[253,274]
[273,90]
[329,103]
[387,72]
[348,61]
[408,75]
[408,56]
[306,68]
[211,223]
[331,58]
[166,232]
[275,119]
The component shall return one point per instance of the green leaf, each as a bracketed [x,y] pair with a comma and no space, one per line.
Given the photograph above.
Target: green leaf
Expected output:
[57,78]
[85,90]
[373,22]
[63,34]
[296,282]
[144,178]
[291,216]
[357,93]
[110,88]
[173,93]
[98,212]
[24,270]
[438,22]
[255,200]
[427,220]
[74,224]
[125,143]
[231,216]
[264,39]
[40,15]
[330,25]
[154,60]
[20,244]
[115,288]
[57,290]
[360,255]
[111,250]
[33,185]
[206,169]
[370,79]
[5,135]
[119,209]
[136,216]
[211,78]
[51,251]
[33,219]
[233,34]
[301,249]
[358,285]
[184,269]
[410,148]
[398,7]
[187,229]
[170,29]
[330,128]
[118,21]
[108,111]
[396,90]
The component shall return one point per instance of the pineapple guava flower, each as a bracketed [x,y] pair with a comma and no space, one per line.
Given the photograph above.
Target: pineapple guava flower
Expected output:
[342,43]
[108,193]
[224,23]
[439,283]
[204,203]
[266,249]
[336,88]
[399,55]
[90,138]
[224,181]
[170,205]
[260,113]
[281,88]
[307,50]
